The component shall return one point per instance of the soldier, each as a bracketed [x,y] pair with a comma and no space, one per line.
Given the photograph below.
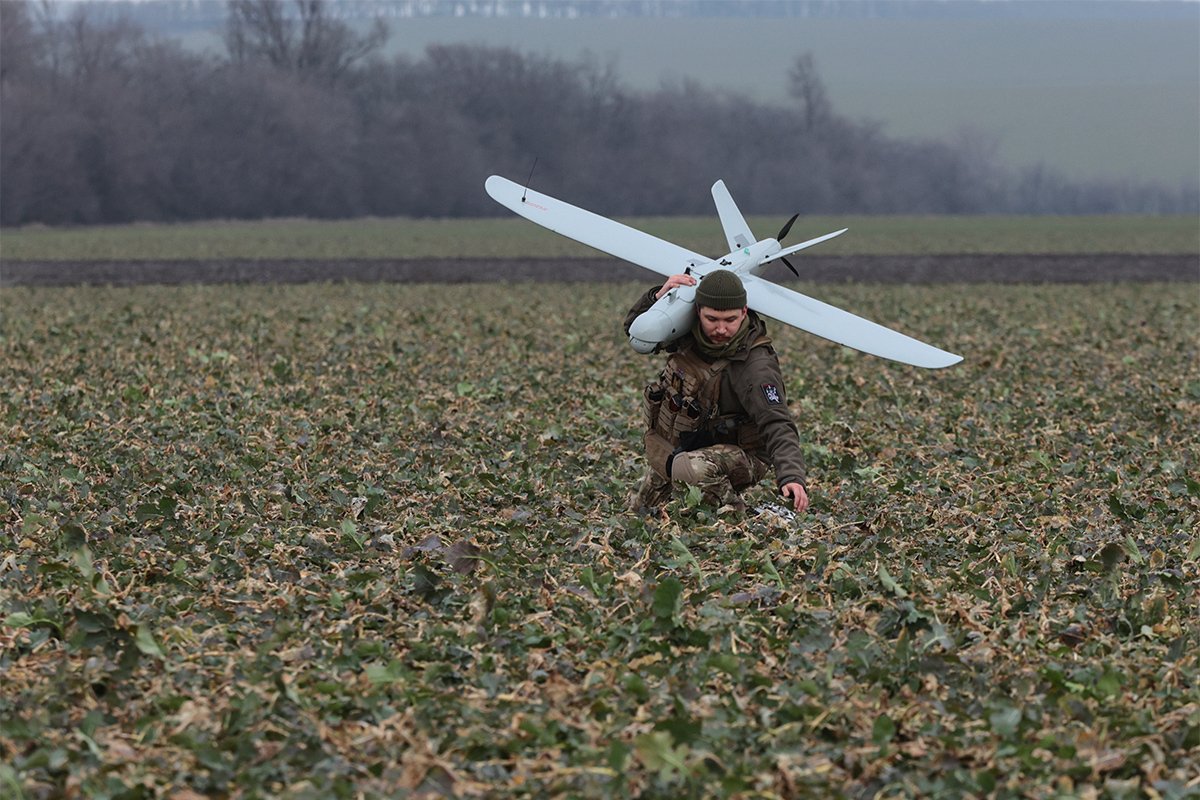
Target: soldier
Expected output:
[717,415]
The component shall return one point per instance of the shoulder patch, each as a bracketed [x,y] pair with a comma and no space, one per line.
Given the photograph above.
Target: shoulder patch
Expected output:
[771,392]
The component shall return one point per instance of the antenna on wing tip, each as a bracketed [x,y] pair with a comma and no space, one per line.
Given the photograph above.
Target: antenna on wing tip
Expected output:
[527,180]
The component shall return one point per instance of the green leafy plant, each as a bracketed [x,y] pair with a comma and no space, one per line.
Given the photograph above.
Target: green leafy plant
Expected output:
[343,540]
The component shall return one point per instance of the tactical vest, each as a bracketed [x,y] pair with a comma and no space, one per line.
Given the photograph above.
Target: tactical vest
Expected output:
[683,405]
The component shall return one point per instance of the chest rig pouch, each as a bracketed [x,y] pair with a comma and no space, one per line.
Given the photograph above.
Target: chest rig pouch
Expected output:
[681,408]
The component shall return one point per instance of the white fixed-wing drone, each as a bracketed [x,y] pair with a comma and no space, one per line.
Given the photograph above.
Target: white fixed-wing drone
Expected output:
[673,314]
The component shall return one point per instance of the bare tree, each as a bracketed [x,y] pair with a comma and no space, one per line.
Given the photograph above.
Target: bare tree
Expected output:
[806,86]
[18,44]
[101,122]
[301,37]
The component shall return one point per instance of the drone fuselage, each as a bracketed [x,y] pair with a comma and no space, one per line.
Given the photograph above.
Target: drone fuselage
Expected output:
[673,314]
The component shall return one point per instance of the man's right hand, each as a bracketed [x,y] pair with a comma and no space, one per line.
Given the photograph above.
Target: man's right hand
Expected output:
[795,492]
[673,282]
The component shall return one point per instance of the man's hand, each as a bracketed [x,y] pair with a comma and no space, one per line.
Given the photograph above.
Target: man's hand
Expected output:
[674,281]
[797,494]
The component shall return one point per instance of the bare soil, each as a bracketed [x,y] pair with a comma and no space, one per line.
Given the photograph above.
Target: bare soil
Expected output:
[819,269]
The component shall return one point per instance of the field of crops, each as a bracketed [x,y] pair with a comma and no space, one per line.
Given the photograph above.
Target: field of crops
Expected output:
[362,540]
[509,237]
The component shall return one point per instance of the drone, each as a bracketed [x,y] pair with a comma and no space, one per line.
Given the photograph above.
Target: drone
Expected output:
[673,314]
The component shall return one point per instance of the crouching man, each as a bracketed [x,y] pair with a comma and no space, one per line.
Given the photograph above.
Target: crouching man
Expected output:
[717,416]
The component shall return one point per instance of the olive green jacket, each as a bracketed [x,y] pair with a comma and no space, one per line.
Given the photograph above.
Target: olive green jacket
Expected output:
[751,388]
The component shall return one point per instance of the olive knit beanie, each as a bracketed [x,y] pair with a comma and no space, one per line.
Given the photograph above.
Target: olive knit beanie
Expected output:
[721,290]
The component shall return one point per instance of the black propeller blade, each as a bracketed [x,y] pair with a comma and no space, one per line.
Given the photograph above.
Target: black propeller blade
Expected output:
[784,231]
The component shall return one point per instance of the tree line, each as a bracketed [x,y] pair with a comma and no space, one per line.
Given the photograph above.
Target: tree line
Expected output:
[301,116]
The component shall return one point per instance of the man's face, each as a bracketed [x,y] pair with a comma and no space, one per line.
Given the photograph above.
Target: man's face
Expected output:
[721,326]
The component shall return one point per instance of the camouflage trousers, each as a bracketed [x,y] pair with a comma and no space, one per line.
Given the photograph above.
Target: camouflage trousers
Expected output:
[721,472]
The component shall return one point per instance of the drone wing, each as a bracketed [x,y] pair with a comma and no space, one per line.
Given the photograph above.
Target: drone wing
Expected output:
[840,326]
[593,230]
[668,259]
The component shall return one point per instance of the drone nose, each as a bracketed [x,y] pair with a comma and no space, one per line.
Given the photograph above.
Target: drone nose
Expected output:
[642,346]
[653,326]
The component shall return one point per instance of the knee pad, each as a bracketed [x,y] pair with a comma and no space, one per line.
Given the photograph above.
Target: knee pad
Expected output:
[691,468]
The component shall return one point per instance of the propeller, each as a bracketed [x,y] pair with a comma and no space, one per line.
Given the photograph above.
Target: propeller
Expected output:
[784,232]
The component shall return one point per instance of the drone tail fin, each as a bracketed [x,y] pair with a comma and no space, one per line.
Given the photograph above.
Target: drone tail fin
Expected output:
[737,232]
